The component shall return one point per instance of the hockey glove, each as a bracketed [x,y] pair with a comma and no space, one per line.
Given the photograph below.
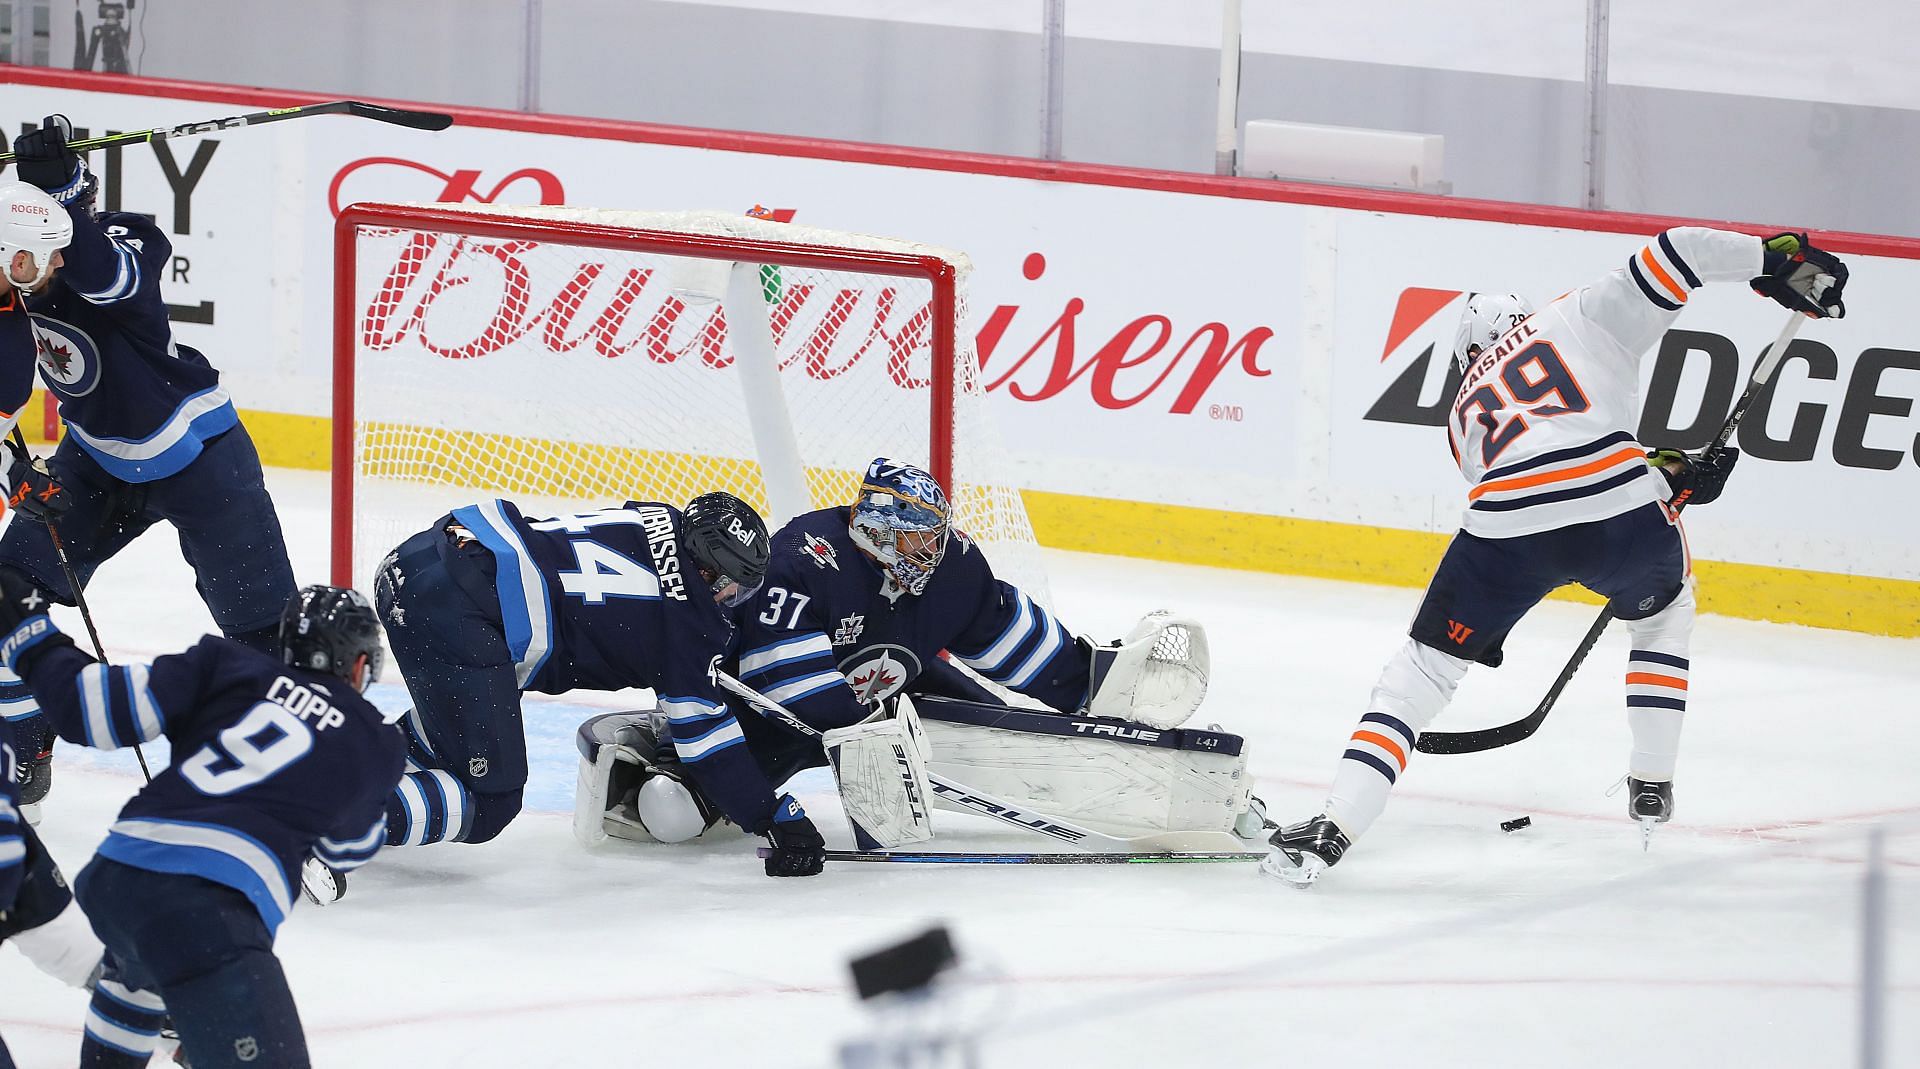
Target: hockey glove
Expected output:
[23,619]
[1695,478]
[798,849]
[43,159]
[1801,277]
[36,491]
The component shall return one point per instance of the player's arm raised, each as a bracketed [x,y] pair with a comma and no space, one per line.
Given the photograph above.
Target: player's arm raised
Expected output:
[105,265]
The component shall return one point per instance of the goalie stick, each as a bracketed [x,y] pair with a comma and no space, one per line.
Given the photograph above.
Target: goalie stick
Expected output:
[1452,742]
[415,120]
[79,599]
[957,793]
[935,857]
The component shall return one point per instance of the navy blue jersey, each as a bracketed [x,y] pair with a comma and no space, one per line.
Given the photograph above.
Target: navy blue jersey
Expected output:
[13,846]
[271,764]
[16,358]
[827,634]
[610,599]
[136,401]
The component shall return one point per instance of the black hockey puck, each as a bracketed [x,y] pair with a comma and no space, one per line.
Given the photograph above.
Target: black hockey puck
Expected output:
[1515,824]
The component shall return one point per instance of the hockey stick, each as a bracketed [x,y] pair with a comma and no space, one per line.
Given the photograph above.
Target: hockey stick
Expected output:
[930,857]
[1451,742]
[415,120]
[79,599]
[957,793]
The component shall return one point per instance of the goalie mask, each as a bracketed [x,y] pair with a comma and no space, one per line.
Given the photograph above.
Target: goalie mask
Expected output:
[901,520]
[34,223]
[1485,320]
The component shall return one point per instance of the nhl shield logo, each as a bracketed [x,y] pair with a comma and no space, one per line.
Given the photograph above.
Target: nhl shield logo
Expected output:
[69,360]
[476,767]
[246,1048]
[1647,602]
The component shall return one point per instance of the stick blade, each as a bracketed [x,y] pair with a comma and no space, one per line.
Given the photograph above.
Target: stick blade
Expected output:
[1452,742]
[413,120]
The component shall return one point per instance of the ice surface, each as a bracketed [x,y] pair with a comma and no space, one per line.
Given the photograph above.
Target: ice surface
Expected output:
[1439,941]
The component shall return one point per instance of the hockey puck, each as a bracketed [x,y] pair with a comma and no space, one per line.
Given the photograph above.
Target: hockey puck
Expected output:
[1515,824]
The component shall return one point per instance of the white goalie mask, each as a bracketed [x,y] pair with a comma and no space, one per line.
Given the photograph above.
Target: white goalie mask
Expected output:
[1485,320]
[34,223]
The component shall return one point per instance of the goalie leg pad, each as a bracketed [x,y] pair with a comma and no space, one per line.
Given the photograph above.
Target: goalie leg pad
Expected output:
[1157,675]
[882,773]
[626,790]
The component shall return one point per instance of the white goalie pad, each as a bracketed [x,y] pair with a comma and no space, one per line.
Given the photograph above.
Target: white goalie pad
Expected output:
[882,772]
[1181,788]
[1156,676]
[618,792]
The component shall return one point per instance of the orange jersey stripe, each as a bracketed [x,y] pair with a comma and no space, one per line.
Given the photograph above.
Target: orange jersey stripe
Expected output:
[1384,743]
[1646,257]
[1652,680]
[1521,482]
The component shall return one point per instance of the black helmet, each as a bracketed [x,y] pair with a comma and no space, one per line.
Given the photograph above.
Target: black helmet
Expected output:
[327,629]
[728,541]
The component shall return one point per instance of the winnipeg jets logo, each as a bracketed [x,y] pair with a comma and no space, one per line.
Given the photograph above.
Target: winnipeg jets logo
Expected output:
[69,360]
[849,630]
[879,672]
[821,551]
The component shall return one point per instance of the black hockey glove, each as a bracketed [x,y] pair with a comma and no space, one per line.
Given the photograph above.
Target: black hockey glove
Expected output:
[33,487]
[798,849]
[1695,478]
[43,159]
[24,626]
[1801,277]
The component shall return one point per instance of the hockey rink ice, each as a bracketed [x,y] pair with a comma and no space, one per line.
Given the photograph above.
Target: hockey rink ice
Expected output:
[1438,941]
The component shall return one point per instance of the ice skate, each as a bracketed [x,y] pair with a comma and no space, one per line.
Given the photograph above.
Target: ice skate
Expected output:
[1299,853]
[1650,804]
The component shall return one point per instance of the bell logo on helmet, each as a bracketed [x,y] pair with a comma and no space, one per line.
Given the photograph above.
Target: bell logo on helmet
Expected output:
[740,532]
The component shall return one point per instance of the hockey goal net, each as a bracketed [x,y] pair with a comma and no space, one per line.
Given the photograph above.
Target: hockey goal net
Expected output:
[571,359]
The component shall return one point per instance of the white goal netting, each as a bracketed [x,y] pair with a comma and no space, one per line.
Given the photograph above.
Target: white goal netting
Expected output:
[573,358]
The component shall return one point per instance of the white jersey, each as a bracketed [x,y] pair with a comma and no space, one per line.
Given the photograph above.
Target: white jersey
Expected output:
[1542,424]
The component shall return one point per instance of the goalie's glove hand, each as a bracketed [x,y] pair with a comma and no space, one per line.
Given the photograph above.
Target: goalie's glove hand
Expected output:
[1695,478]
[798,849]
[1801,277]
[21,601]
[42,158]
[36,490]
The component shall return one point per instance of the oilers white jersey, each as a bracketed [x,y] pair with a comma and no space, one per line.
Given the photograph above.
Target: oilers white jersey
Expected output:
[1542,425]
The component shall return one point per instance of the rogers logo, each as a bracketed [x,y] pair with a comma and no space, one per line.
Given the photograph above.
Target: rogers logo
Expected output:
[394,178]
[30,209]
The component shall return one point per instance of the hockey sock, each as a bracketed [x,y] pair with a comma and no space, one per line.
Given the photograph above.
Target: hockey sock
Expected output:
[123,1026]
[1657,687]
[16,701]
[1414,686]
[429,806]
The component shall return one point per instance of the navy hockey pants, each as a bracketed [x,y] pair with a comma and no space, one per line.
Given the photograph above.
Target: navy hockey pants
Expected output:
[188,949]
[442,616]
[1483,586]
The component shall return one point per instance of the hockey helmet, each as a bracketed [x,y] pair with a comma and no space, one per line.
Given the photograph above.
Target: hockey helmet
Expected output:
[728,541]
[34,223]
[1485,320]
[901,519]
[328,629]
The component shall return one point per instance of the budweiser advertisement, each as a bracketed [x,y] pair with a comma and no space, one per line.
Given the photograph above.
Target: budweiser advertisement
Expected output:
[1213,351]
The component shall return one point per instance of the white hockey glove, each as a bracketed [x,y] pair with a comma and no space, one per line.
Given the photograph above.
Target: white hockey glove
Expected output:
[1157,675]
[881,767]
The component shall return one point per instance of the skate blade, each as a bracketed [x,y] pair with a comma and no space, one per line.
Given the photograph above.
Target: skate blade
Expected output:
[319,884]
[1302,874]
[1647,824]
[30,812]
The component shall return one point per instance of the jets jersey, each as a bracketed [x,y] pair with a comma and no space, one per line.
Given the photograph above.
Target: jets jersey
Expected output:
[16,358]
[610,599]
[13,846]
[271,764]
[134,399]
[824,637]
[1542,424]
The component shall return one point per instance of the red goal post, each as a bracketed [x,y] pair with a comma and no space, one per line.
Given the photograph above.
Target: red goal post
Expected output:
[573,358]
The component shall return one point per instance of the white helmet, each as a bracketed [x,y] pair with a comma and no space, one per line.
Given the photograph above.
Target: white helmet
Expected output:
[1486,318]
[33,222]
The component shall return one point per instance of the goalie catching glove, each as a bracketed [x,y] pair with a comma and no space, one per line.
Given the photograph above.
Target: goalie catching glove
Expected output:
[1156,675]
[1801,277]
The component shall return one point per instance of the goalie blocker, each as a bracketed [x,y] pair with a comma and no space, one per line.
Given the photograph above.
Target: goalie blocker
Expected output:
[1160,788]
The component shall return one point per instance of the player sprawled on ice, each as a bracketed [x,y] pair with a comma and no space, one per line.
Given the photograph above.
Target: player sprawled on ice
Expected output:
[1562,493]
[151,433]
[860,605]
[276,760]
[487,603]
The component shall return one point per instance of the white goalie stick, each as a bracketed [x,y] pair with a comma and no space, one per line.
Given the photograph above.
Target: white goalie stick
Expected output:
[958,793]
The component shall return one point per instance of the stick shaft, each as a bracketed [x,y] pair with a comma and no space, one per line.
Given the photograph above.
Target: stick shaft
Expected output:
[935,857]
[418,120]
